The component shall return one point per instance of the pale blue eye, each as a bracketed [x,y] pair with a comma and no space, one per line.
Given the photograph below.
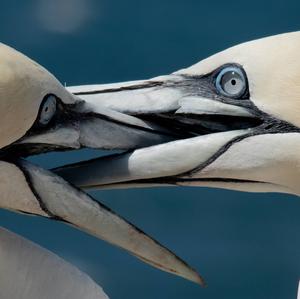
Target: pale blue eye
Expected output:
[231,82]
[48,110]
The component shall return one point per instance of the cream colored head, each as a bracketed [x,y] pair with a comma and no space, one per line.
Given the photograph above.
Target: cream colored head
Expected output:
[242,109]
[23,85]
[272,66]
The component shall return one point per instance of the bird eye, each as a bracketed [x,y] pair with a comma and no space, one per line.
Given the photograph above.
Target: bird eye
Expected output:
[48,109]
[231,82]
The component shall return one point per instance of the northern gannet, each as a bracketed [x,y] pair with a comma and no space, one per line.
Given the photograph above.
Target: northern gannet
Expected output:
[37,114]
[236,116]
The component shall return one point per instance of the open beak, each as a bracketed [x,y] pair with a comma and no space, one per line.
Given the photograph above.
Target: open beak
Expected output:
[202,128]
[207,126]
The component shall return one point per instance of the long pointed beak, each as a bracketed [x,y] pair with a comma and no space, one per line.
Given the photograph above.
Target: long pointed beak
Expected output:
[59,200]
[142,166]
[178,104]
[136,97]
[172,94]
[91,125]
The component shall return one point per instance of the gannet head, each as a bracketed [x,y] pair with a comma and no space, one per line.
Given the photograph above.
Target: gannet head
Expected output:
[26,89]
[37,114]
[236,115]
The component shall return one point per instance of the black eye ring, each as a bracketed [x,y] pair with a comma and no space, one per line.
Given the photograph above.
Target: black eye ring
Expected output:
[231,82]
[47,110]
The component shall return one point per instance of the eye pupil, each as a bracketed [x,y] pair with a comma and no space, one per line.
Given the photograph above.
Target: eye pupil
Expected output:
[231,82]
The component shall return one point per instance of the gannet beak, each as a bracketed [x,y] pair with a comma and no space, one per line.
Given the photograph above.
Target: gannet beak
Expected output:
[204,127]
[50,196]
[82,124]
[178,103]
[237,119]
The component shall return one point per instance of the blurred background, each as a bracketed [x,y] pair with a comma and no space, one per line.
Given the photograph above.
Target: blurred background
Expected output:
[247,246]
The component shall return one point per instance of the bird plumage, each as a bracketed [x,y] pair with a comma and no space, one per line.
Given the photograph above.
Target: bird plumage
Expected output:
[29,271]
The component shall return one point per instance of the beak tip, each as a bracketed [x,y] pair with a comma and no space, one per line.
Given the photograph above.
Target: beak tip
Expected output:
[195,277]
[199,280]
[202,282]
